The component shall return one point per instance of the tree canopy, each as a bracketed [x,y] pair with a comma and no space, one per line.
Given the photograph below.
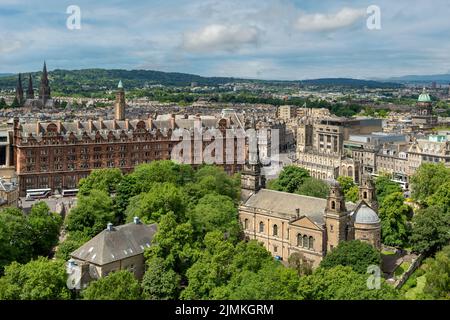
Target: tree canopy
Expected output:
[394,220]
[356,254]
[40,279]
[118,285]
[428,178]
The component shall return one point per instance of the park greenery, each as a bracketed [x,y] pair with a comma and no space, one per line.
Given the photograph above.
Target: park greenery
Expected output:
[198,251]
[295,179]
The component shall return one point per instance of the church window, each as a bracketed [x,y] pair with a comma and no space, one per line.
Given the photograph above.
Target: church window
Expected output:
[275,230]
[261,227]
[365,195]
[311,243]
[333,205]
[305,241]
[246,224]
[299,240]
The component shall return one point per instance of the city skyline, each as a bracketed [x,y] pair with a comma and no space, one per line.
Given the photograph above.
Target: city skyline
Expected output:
[279,40]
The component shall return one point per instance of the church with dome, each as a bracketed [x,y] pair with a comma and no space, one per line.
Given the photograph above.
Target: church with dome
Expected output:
[423,116]
[287,223]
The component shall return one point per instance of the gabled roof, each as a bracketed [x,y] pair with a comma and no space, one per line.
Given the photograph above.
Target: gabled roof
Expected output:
[121,242]
[285,204]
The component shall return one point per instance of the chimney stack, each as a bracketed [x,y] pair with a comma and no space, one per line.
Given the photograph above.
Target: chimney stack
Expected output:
[297,212]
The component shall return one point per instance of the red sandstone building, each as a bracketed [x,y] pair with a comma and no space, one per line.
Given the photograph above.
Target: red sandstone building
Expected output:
[57,154]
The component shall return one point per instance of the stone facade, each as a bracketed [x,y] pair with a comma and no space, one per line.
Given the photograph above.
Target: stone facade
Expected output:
[58,154]
[286,223]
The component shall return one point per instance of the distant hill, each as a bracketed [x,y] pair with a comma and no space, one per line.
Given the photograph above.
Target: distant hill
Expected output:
[439,78]
[5,74]
[74,81]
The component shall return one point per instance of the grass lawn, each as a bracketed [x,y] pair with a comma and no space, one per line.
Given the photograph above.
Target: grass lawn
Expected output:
[387,253]
[401,269]
[412,293]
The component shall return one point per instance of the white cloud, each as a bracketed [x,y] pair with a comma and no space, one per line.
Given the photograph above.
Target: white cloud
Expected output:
[329,22]
[219,37]
[8,45]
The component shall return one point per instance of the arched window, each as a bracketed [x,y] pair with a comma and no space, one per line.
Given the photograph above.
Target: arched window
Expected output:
[261,227]
[246,224]
[299,240]
[350,171]
[275,230]
[305,241]
[333,205]
[365,195]
[311,243]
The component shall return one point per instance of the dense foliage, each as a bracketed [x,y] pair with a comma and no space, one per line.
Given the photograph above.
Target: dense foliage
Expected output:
[119,285]
[355,254]
[23,237]
[295,179]
[40,279]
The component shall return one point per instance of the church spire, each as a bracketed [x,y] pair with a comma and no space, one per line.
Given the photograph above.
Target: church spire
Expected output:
[19,90]
[30,91]
[44,89]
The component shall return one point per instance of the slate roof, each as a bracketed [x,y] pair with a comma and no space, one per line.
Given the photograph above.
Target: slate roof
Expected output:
[122,242]
[285,203]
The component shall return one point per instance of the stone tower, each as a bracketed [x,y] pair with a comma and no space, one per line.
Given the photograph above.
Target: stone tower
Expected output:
[367,192]
[335,217]
[119,113]
[19,90]
[30,91]
[251,178]
[44,89]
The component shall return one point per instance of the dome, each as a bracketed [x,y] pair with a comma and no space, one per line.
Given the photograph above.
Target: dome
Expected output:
[366,215]
[424,96]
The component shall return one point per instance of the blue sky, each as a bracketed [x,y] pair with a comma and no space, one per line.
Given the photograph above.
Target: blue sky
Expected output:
[271,39]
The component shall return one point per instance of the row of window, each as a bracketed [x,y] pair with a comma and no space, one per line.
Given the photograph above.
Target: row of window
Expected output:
[303,241]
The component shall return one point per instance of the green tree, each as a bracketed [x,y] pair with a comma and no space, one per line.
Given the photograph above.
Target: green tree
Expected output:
[45,227]
[91,214]
[158,201]
[16,243]
[299,263]
[160,282]
[272,282]
[441,197]
[119,285]
[291,178]
[342,283]
[394,215]
[427,179]
[384,187]
[3,104]
[314,188]
[430,229]
[215,212]
[174,242]
[349,188]
[40,279]
[106,180]
[15,103]
[212,270]
[74,240]
[356,254]
[212,179]
[437,283]
[161,171]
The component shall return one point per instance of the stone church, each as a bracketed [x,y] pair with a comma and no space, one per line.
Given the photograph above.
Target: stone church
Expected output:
[286,223]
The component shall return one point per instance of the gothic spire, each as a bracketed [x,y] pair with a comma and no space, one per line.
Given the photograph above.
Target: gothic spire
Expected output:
[44,89]
[19,90]
[30,91]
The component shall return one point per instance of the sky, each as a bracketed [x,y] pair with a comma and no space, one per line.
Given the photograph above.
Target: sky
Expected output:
[263,39]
